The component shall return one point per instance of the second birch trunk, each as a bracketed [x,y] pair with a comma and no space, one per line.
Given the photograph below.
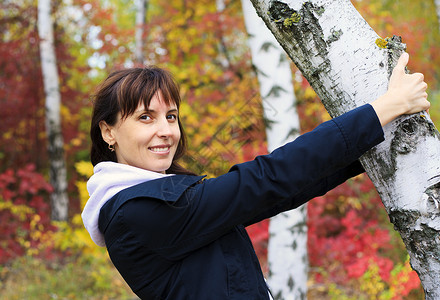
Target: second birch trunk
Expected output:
[58,177]
[141,13]
[287,248]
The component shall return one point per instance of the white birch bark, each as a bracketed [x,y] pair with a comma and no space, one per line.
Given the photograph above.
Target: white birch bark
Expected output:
[141,11]
[335,50]
[437,9]
[287,249]
[223,58]
[59,199]
[220,4]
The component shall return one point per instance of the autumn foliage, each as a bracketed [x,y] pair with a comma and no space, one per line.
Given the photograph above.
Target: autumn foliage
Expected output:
[354,252]
[24,213]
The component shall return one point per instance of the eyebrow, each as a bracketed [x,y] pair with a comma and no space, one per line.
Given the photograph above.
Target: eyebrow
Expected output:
[153,111]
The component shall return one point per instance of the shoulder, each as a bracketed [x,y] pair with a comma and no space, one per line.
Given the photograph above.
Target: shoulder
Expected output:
[168,189]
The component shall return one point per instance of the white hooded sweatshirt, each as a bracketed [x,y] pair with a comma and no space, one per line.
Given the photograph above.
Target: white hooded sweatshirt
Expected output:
[110,178]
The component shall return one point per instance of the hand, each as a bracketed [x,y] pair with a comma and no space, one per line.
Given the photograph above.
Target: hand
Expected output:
[409,88]
[406,94]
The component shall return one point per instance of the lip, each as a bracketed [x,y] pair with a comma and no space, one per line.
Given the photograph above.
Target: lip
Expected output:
[160,149]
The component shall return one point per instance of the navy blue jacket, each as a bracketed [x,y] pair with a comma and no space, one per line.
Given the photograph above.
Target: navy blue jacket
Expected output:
[183,237]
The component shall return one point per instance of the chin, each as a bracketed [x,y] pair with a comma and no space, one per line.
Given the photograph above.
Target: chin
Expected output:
[162,169]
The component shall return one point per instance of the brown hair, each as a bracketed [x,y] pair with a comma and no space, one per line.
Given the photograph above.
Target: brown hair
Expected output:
[122,91]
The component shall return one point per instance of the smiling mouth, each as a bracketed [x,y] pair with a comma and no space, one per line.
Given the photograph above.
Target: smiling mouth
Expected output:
[159,149]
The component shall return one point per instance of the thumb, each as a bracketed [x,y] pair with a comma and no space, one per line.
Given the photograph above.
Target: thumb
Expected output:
[402,62]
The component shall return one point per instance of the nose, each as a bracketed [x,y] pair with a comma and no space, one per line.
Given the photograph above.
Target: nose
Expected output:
[164,128]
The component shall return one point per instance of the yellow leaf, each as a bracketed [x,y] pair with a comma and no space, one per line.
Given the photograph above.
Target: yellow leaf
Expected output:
[84,168]
[309,93]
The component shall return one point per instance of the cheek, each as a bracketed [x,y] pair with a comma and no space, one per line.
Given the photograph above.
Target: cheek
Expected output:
[177,133]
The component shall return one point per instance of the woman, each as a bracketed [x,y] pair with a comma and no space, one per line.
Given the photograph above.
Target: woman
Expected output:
[173,235]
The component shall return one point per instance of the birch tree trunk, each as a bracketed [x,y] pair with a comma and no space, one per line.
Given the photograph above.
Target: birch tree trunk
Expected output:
[437,9]
[287,249]
[57,173]
[141,12]
[223,58]
[336,50]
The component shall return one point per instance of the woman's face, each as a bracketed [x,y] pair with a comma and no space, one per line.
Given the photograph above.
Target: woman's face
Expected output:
[148,138]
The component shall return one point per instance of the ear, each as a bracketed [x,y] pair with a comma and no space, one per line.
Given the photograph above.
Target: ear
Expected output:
[107,132]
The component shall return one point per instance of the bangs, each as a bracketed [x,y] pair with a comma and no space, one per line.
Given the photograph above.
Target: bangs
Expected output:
[142,86]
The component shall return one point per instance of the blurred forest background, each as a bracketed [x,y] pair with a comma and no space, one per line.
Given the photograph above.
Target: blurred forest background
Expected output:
[354,252]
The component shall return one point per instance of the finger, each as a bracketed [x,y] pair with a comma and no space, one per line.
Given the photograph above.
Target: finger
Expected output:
[422,87]
[427,105]
[402,62]
[418,76]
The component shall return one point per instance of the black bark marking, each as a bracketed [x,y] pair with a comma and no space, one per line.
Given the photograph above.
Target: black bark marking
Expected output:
[305,35]
[406,138]
[335,35]
[291,283]
[408,133]
[395,49]
[433,194]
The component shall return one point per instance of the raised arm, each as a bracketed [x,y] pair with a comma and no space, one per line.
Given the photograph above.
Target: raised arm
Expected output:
[406,94]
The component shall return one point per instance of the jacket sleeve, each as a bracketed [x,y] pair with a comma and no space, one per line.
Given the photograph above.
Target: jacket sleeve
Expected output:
[288,177]
[317,189]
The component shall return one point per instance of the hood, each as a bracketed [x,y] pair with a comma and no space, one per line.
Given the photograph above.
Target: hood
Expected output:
[110,178]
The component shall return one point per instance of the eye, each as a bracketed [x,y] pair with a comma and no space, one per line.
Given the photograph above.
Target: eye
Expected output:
[172,117]
[145,117]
